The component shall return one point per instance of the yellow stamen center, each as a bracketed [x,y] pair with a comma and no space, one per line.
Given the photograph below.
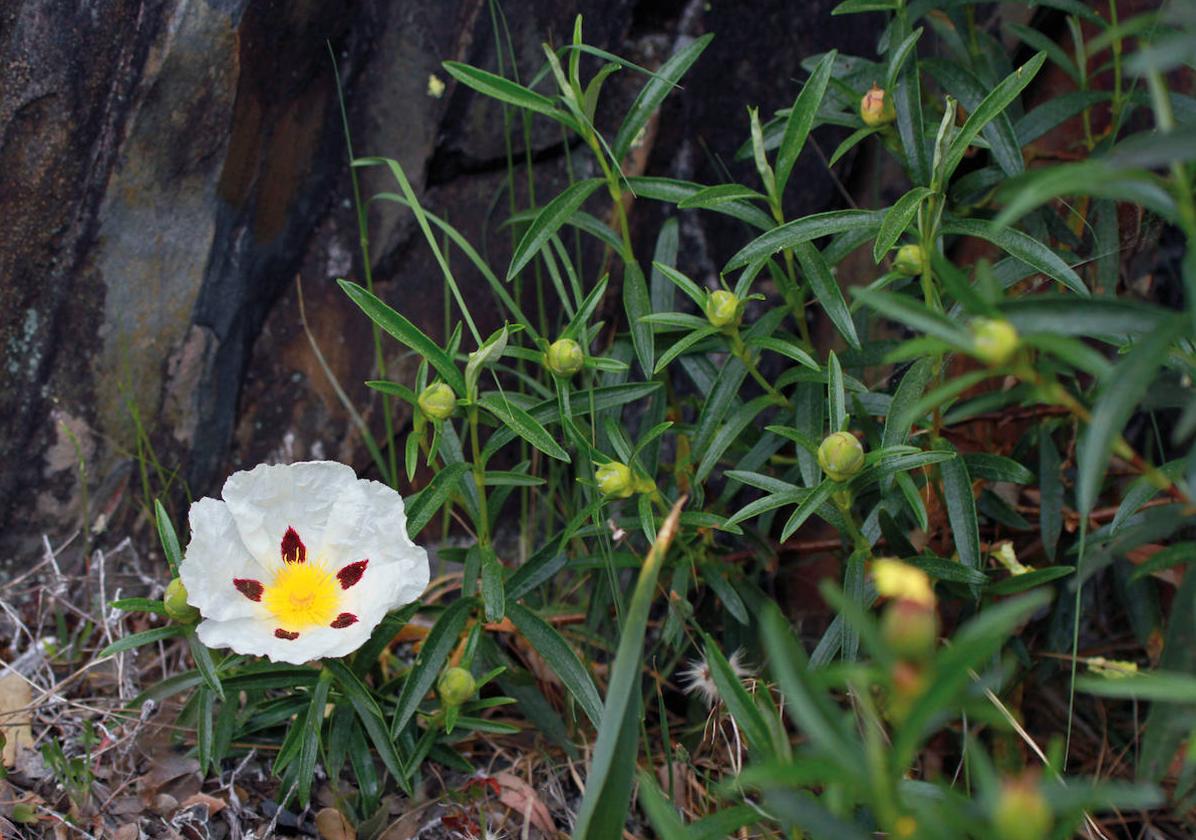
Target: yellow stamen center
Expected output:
[302,595]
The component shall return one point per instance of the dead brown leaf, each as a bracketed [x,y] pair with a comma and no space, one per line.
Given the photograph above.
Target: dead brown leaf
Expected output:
[215,804]
[522,798]
[332,825]
[16,697]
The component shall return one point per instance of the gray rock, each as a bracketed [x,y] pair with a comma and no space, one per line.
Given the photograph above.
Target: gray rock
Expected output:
[168,168]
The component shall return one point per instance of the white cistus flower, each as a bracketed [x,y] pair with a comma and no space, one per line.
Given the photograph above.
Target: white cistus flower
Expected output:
[299,561]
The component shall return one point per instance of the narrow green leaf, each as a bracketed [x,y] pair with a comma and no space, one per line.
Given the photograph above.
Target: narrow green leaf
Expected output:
[555,651]
[803,230]
[1026,248]
[139,605]
[961,508]
[440,641]
[522,423]
[505,90]
[168,537]
[993,105]
[313,724]
[808,505]
[738,702]
[1119,396]
[637,304]
[730,432]
[549,220]
[896,219]
[604,806]
[917,316]
[369,714]
[654,92]
[145,637]
[826,289]
[801,118]
[660,812]
[683,345]
[805,704]
[836,395]
[407,333]
[432,498]
[719,194]
[204,664]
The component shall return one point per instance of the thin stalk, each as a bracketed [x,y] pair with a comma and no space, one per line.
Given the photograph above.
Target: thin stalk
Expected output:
[479,478]
[367,271]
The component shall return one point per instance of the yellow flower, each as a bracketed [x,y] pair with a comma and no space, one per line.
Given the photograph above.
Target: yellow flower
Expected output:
[895,579]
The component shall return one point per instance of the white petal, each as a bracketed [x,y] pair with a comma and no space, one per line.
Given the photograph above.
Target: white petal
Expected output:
[385,587]
[214,557]
[369,523]
[270,498]
[255,637]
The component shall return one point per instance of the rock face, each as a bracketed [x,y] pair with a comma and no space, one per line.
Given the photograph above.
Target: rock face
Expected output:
[168,168]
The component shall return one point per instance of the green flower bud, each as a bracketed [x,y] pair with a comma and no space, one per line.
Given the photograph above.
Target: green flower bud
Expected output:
[1022,812]
[723,309]
[876,108]
[455,686]
[911,259]
[177,607]
[565,357]
[910,629]
[615,479]
[438,401]
[841,456]
[994,341]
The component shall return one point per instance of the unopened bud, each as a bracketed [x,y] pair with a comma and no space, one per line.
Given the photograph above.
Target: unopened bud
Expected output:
[1022,812]
[438,401]
[876,108]
[723,309]
[841,456]
[177,608]
[455,686]
[615,479]
[910,261]
[565,357]
[994,341]
[910,629]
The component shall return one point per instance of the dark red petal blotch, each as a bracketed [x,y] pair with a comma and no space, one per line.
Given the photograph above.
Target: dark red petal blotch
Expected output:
[351,573]
[293,549]
[289,635]
[344,620]
[251,589]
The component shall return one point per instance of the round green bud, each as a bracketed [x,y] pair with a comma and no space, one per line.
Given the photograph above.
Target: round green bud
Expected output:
[565,357]
[1022,812]
[177,607]
[723,309]
[910,629]
[876,108]
[615,479]
[994,341]
[438,401]
[911,259]
[455,686]
[841,456]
